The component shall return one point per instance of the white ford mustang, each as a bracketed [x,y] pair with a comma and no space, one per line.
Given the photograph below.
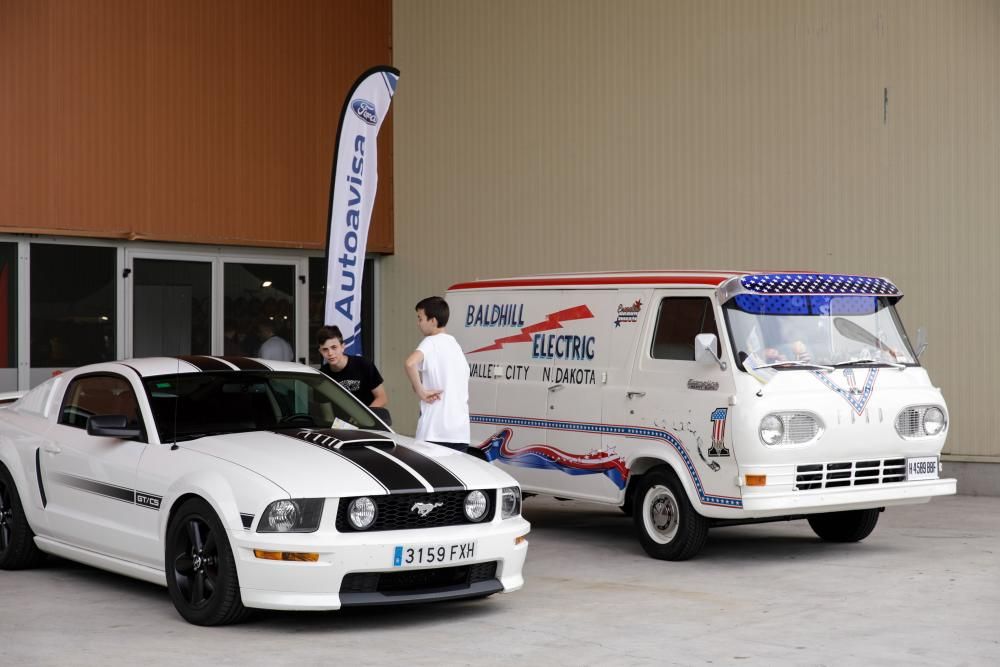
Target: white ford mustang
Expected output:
[241,483]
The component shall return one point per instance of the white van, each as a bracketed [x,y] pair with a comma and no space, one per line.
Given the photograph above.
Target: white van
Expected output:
[698,399]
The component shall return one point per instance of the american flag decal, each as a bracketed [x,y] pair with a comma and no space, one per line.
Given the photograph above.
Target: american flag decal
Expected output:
[718,447]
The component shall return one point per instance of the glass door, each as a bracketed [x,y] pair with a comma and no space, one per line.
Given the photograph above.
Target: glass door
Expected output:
[169,304]
[260,298]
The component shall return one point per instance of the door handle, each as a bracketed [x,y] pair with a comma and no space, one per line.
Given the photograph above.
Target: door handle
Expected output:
[51,448]
[555,387]
[634,394]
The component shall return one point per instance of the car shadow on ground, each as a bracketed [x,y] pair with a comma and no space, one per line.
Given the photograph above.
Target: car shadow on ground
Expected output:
[589,526]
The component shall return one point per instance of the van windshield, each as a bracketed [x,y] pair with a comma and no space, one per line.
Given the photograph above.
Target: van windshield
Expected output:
[803,331]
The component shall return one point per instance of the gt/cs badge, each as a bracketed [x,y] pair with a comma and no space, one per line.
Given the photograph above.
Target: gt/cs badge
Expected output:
[423,509]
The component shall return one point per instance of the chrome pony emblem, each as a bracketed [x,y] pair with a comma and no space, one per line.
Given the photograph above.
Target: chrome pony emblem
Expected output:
[423,509]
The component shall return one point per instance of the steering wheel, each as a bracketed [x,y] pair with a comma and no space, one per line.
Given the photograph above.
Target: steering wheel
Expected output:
[298,418]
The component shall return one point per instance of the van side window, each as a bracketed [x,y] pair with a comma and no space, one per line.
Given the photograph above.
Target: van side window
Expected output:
[98,395]
[679,320]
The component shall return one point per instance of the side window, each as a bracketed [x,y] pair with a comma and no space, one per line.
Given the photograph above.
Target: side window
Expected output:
[679,320]
[98,395]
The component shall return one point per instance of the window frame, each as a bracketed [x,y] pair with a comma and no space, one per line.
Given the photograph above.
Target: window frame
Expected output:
[143,433]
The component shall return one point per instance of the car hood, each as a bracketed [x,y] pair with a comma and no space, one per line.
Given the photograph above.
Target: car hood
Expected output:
[329,463]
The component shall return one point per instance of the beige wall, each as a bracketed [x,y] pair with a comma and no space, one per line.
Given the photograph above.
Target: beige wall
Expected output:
[543,136]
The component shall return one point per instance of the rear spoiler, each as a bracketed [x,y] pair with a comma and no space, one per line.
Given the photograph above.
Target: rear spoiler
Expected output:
[9,397]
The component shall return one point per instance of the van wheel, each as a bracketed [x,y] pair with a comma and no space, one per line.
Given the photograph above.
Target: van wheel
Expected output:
[852,526]
[17,542]
[669,527]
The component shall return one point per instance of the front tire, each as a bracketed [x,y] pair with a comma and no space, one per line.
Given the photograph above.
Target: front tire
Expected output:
[17,541]
[669,528]
[201,569]
[852,526]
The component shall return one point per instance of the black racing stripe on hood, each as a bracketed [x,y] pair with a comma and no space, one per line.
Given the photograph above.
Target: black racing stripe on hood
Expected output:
[204,363]
[246,364]
[392,476]
[439,477]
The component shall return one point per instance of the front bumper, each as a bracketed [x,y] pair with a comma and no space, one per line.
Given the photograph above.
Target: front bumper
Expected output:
[291,585]
[764,502]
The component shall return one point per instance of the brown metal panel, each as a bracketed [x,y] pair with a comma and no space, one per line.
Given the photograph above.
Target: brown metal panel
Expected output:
[184,120]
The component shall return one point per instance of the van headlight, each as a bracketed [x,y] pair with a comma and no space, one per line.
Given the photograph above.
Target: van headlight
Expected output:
[510,502]
[476,505]
[790,428]
[772,430]
[920,421]
[934,421]
[296,515]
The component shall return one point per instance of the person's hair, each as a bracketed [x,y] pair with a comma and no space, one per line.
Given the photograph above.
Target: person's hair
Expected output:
[436,307]
[326,333]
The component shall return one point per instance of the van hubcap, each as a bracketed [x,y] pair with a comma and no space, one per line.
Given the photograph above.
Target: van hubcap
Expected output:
[662,515]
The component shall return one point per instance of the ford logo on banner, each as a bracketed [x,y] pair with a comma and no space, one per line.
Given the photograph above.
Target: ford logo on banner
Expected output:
[365,110]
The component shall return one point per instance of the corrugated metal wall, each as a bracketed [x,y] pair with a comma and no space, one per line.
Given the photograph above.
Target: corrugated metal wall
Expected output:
[183,120]
[855,136]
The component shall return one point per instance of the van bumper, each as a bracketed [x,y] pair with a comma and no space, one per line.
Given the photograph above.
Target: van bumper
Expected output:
[761,502]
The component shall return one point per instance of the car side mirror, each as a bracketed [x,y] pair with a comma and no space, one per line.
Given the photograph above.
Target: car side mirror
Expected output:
[921,341]
[383,414]
[706,347]
[111,426]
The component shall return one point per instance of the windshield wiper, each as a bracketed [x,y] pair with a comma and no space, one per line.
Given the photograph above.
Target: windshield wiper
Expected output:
[869,362]
[796,363]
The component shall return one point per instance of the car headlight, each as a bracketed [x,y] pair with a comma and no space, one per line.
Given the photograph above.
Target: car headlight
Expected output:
[476,505]
[934,421]
[297,515]
[772,430]
[361,513]
[510,502]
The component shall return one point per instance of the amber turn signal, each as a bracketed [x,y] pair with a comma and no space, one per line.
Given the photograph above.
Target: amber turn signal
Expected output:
[285,555]
[520,539]
[756,480]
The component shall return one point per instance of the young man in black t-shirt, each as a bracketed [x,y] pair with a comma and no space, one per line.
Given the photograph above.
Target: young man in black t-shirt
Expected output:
[356,374]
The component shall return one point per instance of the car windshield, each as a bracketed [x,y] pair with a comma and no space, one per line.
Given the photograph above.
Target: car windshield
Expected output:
[805,331]
[187,406]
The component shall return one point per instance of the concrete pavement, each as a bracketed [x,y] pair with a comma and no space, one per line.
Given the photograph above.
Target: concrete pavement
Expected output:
[923,589]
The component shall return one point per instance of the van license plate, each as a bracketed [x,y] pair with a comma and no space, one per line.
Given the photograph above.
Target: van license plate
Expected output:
[408,556]
[922,467]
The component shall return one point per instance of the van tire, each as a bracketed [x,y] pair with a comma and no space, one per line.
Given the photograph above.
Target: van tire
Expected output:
[669,528]
[852,526]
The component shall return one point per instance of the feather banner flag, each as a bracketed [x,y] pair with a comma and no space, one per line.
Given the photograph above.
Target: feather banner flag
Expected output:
[352,196]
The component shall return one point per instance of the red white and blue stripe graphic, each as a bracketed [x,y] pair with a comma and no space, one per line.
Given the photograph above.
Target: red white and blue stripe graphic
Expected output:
[857,399]
[637,432]
[544,457]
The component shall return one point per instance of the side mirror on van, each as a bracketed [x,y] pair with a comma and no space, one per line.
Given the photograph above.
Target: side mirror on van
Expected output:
[921,341]
[706,347]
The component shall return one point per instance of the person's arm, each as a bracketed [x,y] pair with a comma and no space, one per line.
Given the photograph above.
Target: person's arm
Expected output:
[381,398]
[412,365]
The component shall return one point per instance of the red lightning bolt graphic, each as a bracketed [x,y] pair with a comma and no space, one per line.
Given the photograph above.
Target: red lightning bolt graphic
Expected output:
[550,322]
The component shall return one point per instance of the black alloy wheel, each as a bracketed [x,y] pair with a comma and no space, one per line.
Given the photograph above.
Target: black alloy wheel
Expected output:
[201,570]
[17,541]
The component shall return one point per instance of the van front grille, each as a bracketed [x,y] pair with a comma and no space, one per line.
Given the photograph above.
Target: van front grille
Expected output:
[849,473]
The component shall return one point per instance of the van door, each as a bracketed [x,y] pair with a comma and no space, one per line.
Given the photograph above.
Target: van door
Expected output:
[579,351]
[682,406]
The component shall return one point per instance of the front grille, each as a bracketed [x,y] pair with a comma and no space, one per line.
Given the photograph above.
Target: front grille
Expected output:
[397,512]
[849,473]
[416,581]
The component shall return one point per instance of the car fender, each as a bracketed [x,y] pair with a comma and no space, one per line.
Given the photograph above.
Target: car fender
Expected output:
[229,493]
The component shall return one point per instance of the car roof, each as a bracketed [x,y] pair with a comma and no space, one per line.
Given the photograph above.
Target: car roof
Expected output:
[187,364]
